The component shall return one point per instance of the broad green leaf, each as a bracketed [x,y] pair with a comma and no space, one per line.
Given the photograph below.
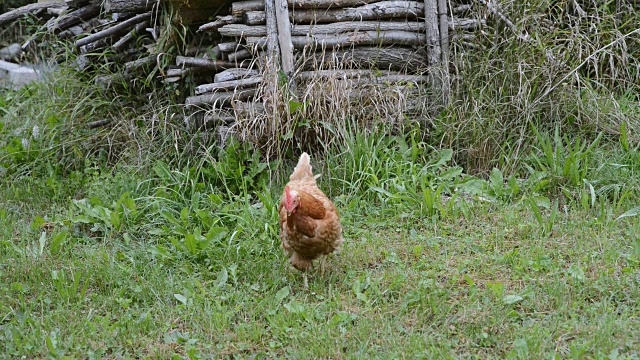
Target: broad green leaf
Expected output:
[282,293]
[512,299]
[181,298]
[629,213]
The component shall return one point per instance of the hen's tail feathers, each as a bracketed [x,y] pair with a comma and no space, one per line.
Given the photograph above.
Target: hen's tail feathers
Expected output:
[303,169]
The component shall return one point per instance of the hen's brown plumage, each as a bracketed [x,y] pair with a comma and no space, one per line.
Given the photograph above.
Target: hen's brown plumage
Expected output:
[309,221]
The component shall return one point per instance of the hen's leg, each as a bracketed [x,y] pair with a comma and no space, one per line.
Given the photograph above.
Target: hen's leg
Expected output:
[323,264]
[306,281]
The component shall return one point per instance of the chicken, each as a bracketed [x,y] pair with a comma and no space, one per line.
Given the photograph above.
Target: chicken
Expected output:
[309,221]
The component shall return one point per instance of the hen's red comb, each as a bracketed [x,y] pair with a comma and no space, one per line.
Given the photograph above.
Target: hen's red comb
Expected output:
[287,196]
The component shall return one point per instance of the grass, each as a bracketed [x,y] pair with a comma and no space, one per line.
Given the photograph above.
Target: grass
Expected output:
[183,260]
[505,226]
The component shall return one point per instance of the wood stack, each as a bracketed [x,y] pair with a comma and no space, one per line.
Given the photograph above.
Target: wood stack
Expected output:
[388,37]
[362,42]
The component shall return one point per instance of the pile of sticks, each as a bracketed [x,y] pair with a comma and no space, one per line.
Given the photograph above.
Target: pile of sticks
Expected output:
[381,42]
[363,41]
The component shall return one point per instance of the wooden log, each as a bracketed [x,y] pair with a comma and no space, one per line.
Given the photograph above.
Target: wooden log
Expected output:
[130,6]
[237,30]
[234,74]
[240,7]
[327,4]
[241,30]
[217,54]
[376,11]
[33,9]
[57,11]
[177,72]
[343,74]
[11,52]
[182,73]
[444,46]
[119,45]
[351,39]
[241,54]
[228,85]
[461,8]
[220,22]
[287,59]
[98,44]
[139,64]
[271,31]
[219,99]
[98,123]
[75,17]
[215,65]
[172,79]
[433,32]
[228,46]
[392,58]
[362,77]
[117,29]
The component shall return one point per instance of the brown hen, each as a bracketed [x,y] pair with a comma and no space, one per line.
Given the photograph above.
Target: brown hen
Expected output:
[309,221]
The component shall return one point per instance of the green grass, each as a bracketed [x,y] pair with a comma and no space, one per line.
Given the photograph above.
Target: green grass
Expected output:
[138,240]
[184,260]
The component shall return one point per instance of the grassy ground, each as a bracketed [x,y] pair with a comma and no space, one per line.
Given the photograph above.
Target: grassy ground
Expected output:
[506,227]
[186,262]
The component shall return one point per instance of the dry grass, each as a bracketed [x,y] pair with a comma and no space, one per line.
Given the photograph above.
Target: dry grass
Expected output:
[326,108]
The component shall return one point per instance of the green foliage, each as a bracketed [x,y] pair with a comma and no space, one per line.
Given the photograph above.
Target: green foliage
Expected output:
[237,169]
[490,246]
[563,161]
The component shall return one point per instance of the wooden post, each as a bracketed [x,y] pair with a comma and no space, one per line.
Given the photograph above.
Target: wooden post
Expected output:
[434,51]
[444,45]
[273,49]
[284,40]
